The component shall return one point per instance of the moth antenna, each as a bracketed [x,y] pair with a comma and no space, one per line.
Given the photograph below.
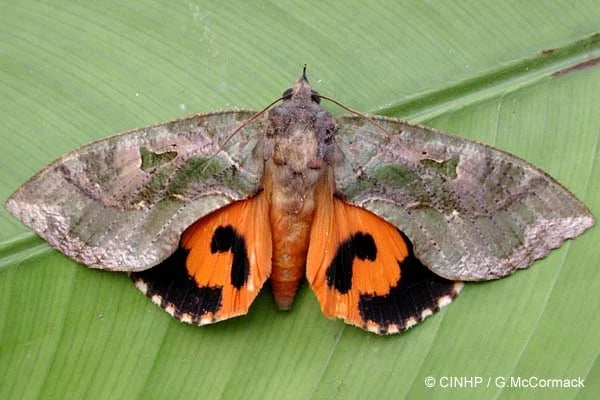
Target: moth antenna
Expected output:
[365,116]
[239,128]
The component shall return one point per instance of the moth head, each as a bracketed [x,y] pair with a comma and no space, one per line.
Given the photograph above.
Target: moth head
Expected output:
[302,91]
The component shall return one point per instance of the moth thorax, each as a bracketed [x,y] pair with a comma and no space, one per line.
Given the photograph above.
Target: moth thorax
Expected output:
[296,165]
[297,150]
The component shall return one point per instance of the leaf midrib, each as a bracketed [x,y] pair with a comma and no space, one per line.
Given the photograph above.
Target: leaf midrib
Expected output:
[498,81]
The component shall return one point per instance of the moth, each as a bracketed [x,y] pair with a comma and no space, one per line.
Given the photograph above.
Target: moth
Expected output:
[384,217]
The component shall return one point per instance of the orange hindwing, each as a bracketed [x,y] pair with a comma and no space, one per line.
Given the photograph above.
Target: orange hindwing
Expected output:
[222,262]
[363,270]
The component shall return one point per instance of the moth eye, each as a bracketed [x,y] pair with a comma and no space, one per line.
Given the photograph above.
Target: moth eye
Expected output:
[314,95]
[287,94]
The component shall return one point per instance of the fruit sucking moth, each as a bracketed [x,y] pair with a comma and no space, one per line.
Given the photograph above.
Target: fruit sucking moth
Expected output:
[384,217]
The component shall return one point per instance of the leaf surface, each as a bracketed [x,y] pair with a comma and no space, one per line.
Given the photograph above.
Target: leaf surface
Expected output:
[72,72]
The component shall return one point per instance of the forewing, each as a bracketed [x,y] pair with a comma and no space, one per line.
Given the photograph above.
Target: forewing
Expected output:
[471,211]
[121,203]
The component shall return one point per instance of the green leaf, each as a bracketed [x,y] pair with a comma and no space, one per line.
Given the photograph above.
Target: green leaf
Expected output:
[522,76]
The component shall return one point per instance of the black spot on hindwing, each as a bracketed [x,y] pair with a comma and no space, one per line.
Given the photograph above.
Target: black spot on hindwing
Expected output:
[225,239]
[170,280]
[339,273]
[364,246]
[417,290]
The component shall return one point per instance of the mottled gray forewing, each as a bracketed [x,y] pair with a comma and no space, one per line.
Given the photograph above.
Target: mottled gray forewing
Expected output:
[122,203]
[471,211]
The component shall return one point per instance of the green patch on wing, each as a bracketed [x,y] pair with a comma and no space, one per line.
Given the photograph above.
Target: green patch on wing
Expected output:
[446,167]
[197,170]
[401,177]
[155,187]
[151,160]
[394,175]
